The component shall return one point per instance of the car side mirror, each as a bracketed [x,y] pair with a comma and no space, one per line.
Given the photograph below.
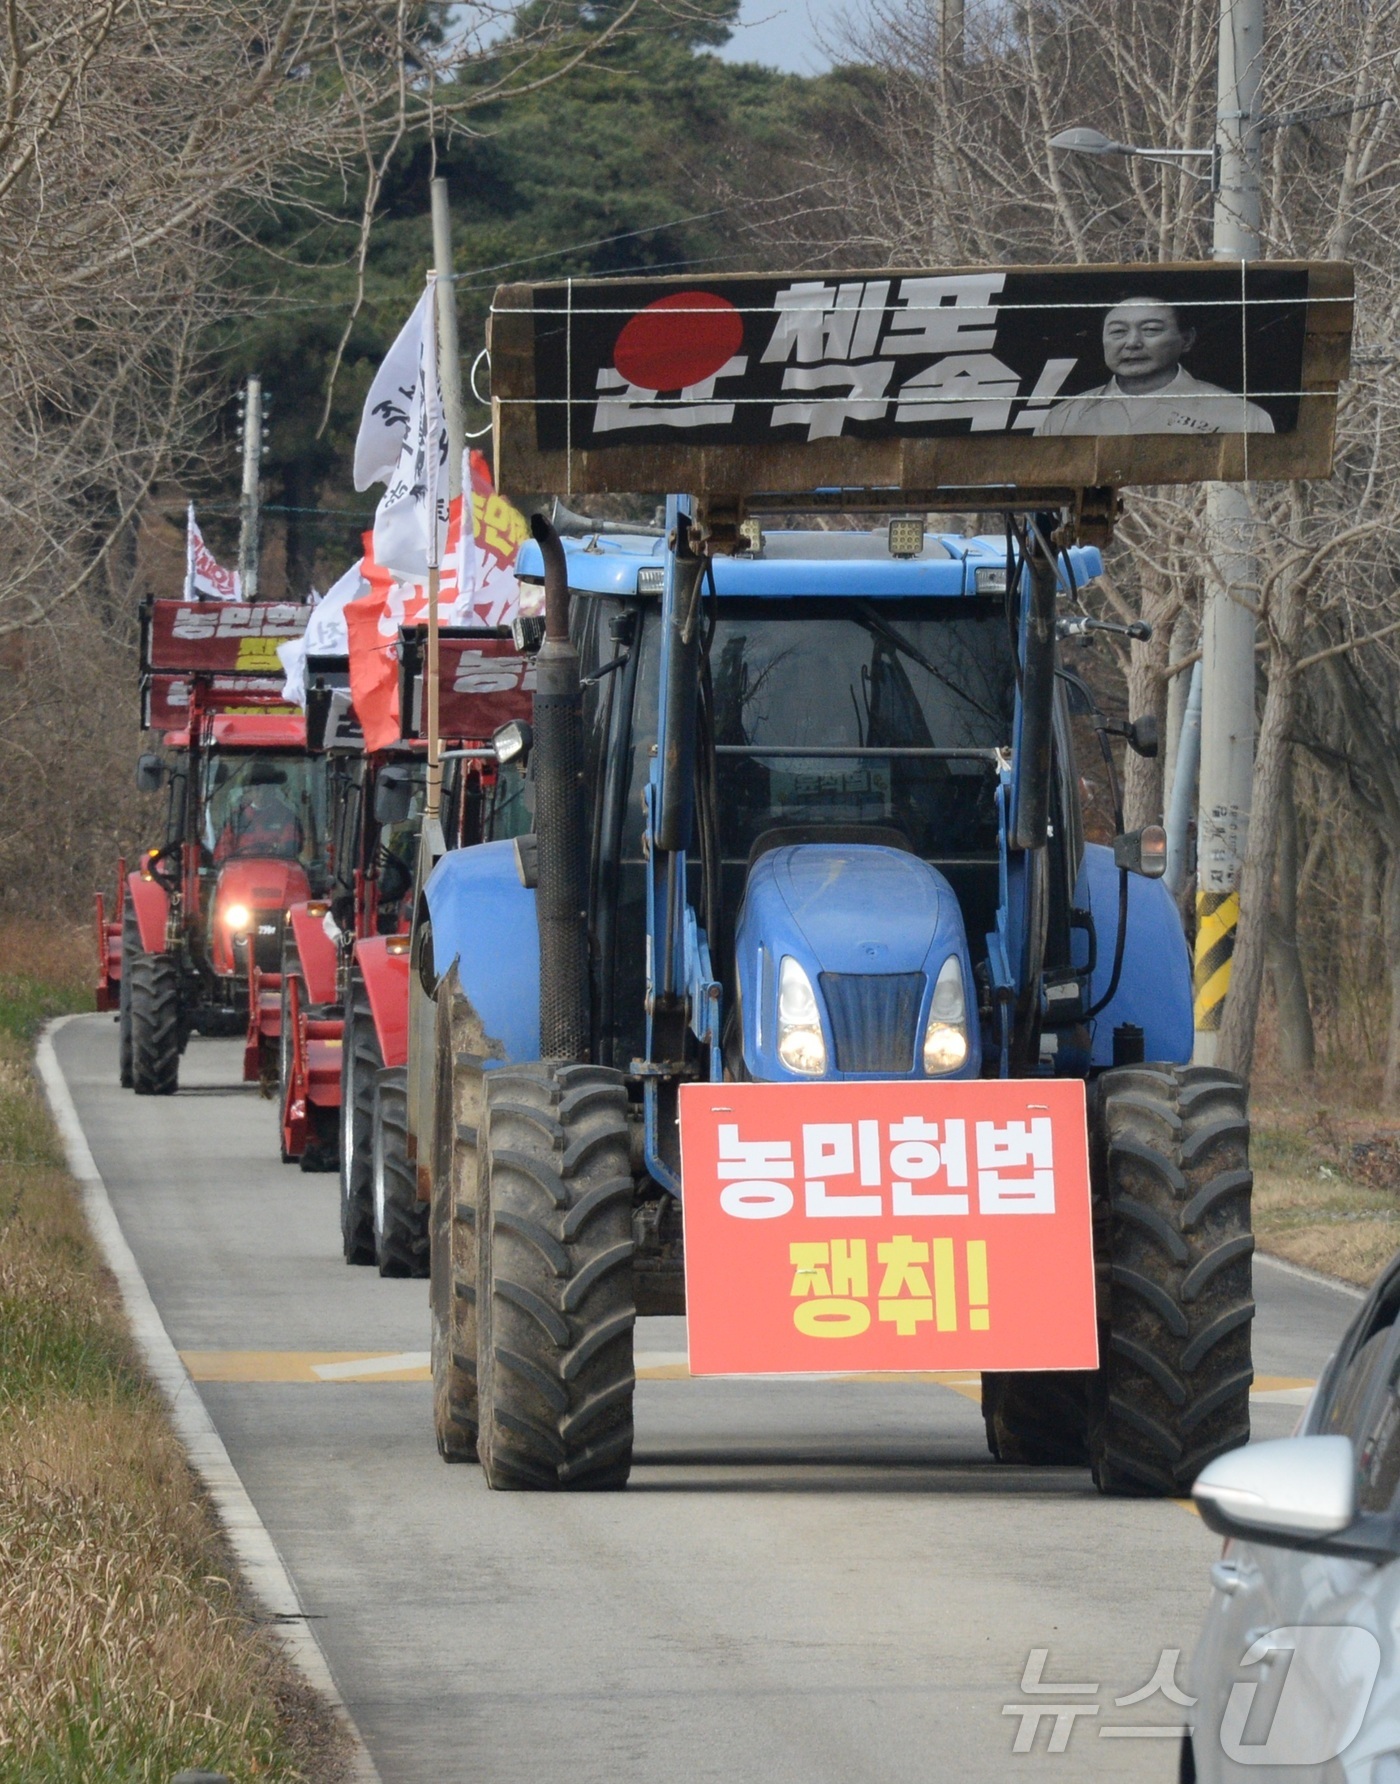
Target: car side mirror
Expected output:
[393,796]
[1142,851]
[1296,1491]
[150,772]
[1142,735]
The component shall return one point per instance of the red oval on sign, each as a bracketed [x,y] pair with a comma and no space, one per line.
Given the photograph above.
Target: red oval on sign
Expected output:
[678,341]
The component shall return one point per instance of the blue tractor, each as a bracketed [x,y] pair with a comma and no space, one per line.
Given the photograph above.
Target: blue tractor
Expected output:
[805,810]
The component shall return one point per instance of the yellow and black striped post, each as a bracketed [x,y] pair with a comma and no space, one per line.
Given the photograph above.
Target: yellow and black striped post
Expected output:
[1217,917]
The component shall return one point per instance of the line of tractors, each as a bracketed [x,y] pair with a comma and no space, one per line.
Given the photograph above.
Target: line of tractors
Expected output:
[482,1021]
[744,894]
[279,904]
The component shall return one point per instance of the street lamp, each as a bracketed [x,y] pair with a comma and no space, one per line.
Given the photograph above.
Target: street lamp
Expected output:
[1083,141]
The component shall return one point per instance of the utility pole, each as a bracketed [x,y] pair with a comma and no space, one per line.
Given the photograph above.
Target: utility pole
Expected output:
[954,45]
[1227,631]
[252,476]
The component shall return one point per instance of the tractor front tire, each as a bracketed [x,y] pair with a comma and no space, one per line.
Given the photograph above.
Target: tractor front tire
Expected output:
[400,1219]
[131,943]
[1170,1155]
[1038,1420]
[360,1065]
[457,1099]
[556,1305]
[154,1001]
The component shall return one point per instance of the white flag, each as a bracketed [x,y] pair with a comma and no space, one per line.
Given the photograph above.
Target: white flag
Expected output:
[385,420]
[406,540]
[205,577]
[326,634]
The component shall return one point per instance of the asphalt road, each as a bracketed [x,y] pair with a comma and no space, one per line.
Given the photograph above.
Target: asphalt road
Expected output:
[824,1581]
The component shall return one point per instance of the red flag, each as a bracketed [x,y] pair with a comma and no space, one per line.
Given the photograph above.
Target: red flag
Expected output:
[373,622]
[374,654]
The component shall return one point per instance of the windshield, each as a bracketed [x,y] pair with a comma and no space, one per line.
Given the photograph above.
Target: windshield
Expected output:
[262,804]
[882,714]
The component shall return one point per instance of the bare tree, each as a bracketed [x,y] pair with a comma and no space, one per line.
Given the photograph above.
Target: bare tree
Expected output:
[957,167]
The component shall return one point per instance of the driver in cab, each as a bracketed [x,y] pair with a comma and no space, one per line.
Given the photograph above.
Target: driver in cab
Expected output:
[262,822]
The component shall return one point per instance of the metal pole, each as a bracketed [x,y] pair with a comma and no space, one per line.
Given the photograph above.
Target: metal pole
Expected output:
[449,355]
[1188,761]
[1227,632]
[252,476]
[449,370]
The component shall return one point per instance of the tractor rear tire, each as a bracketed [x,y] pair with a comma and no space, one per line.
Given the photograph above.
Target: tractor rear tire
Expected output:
[360,1065]
[556,1307]
[1038,1420]
[400,1219]
[1170,1156]
[131,942]
[458,1090]
[155,1024]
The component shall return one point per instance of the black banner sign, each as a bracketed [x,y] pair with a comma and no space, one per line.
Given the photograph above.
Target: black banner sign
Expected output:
[996,354]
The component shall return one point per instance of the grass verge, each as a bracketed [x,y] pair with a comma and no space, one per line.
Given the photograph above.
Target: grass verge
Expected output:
[128,1650]
[1326,1179]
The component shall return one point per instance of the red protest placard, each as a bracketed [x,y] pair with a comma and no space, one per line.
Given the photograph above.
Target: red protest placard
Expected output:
[232,637]
[908,1225]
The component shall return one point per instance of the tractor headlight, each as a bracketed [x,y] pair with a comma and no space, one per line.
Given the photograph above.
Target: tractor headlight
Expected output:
[800,1044]
[945,1038]
[238,917]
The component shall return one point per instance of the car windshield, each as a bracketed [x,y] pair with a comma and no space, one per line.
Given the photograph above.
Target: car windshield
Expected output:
[263,804]
[882,714]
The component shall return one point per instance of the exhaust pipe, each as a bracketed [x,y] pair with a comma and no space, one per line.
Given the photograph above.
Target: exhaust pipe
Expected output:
[561,896]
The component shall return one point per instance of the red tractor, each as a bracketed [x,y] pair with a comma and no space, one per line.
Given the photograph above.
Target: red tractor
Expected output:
[346,964]
[244,836]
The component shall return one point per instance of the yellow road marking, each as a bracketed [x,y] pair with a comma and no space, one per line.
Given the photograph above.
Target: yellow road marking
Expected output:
[361,1366]
[306,1365]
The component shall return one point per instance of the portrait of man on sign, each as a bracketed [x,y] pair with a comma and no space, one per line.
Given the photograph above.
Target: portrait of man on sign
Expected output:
[1148,390]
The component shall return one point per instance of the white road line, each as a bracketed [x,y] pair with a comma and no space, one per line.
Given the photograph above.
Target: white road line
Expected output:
[1315,1277]
[252,1543]
[364,1368]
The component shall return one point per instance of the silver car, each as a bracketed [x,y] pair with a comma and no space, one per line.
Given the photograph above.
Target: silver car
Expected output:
[1297,1673]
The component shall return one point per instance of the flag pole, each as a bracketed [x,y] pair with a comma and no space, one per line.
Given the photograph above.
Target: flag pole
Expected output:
[449,370]
[432,803]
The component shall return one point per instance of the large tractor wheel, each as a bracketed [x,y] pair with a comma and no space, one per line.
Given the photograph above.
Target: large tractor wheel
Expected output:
[155,1024]
[1170,1151]
[1038,1420]
[131,943]
[457,1098]
[400,1219]
[360,1065]
[556,1306]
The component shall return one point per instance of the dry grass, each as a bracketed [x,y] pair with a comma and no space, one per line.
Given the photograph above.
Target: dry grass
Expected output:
[1326,1177]
[127,1649]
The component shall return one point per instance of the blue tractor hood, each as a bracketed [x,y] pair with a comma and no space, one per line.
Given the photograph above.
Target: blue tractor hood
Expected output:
[871,927]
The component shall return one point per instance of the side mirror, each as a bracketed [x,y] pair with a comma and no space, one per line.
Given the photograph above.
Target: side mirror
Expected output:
[393,796]
[150,772]
[1142,735]
[513,742]
[1295,1489]
[1142,851]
